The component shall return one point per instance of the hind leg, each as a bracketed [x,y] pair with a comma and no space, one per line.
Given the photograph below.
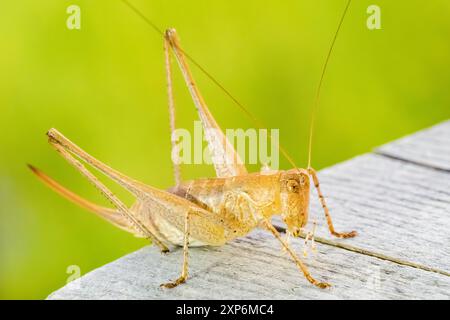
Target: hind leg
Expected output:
[62,145]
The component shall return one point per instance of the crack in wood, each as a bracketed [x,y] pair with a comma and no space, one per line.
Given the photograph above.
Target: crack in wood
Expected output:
[417,163]
[370,253]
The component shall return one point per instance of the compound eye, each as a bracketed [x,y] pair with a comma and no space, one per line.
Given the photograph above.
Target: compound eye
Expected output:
[302,180]
[293,186]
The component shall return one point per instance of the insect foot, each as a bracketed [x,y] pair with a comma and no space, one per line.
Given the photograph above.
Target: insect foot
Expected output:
[175,283]
[165,250]
[345,235]
[323,285]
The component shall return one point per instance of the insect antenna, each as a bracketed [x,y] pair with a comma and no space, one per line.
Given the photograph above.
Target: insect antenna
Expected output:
[143,17]
[259,124]
[319,87]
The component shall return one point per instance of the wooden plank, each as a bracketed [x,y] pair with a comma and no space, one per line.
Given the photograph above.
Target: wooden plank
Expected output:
[255,268]
[430,147]
[399,209]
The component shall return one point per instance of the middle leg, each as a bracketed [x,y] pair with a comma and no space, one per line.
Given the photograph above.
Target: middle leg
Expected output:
[297,260]
[184,270]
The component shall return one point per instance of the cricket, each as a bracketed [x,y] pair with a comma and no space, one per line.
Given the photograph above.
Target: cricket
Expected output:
[207,211]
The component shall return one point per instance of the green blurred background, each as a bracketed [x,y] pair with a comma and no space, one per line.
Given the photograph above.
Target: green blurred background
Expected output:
[104,87]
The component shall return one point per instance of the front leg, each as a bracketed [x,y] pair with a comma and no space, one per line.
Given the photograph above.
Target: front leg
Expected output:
[351,234]
[297,260]
[184,271]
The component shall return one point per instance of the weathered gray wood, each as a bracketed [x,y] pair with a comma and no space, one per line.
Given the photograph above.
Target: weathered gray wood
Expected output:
[429,147]
[255,268]
[398,201]
[399,209]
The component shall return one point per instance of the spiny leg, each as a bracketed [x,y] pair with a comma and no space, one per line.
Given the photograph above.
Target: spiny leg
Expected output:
[60,143]
[351,234]
[111,215]
[184,271]
[227,161]
[171,103]
[298,262]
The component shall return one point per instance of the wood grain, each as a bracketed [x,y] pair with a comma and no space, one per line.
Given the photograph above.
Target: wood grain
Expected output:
[430,147]
[255,268]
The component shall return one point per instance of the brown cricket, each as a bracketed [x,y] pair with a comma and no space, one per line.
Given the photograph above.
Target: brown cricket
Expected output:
[203,212]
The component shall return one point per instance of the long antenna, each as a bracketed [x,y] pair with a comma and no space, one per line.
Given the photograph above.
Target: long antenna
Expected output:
[255,120]
[319,87]
[143,17]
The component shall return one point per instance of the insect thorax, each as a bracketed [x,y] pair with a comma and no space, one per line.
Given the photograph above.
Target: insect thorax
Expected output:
[239,202]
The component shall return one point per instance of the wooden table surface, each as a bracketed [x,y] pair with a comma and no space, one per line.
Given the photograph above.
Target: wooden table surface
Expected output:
[397,198]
